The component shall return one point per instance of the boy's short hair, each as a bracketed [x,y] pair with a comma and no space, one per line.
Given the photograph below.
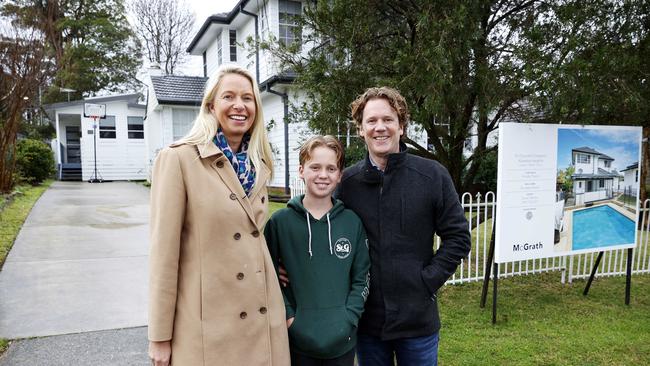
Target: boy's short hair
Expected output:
[392,96]
[328,141]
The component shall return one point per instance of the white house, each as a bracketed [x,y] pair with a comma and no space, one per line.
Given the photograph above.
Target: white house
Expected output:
[222,39]
[593,178]
[631,180]
[118,148]
[172,104]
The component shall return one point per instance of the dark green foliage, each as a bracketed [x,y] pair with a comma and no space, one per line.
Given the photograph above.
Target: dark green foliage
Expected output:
[486,176]
[465,66]
[355,152]
[34,161]
[90,43]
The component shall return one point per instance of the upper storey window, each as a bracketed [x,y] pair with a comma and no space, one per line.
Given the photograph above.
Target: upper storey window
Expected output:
[584,159]
[289,31]
[219,50]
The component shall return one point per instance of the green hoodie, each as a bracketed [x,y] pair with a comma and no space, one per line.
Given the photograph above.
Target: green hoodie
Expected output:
[328,263]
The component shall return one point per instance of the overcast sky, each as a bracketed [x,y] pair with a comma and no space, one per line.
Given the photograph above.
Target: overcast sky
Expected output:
[203,9]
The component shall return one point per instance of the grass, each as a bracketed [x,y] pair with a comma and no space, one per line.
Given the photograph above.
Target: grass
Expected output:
[14,214]
[274,206]
[4,344]
[543,322]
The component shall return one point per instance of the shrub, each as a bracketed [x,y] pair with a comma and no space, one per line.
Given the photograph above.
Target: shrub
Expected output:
[34,161]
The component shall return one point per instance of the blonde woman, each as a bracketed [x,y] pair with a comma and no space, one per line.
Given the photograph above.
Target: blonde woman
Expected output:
[214,298]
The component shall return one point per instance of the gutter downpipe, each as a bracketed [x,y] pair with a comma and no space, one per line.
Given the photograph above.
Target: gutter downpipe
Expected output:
[257,42]
[285,101]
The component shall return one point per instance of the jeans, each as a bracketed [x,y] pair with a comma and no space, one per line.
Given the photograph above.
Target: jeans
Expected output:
[417,351]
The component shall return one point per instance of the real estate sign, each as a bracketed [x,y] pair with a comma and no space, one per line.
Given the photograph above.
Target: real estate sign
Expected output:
[566,189]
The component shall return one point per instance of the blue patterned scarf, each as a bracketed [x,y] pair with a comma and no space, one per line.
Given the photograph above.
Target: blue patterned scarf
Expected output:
[243,167]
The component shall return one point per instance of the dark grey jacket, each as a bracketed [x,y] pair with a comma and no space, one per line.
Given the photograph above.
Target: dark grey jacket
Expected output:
[401,209]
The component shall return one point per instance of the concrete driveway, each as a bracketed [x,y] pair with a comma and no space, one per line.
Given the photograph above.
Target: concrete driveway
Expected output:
[79,263]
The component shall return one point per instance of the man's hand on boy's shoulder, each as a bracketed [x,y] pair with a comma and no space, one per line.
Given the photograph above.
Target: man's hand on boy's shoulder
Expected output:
[289,322]
[283,276]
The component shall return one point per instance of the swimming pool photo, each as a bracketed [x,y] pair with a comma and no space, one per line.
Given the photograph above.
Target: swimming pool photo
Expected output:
[601,226]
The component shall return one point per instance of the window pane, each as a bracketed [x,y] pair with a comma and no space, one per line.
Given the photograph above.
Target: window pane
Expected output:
[107,127]
[135,127]
[107,134]
[182,121]
[288,30]
[107,122]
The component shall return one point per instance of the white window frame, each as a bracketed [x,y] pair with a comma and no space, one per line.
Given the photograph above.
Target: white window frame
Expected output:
[584,159]
[219,49]
[232,41]
[106,130]
[136,131]
[288,31]
[181,123]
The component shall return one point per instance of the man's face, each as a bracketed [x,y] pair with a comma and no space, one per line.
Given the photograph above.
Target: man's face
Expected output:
[380,129]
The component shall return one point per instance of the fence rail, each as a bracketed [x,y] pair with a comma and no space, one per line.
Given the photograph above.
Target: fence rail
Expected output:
[480,211]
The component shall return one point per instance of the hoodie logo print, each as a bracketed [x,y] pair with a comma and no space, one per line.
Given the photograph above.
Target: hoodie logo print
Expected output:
[342,248]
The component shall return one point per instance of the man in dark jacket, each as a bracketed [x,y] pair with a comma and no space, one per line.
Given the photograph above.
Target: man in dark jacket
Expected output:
[403,200]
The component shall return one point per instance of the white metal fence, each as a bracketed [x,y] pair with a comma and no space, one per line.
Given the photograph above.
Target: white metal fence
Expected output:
[481,213]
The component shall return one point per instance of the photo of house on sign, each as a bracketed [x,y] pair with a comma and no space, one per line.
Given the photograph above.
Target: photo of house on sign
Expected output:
[597,188]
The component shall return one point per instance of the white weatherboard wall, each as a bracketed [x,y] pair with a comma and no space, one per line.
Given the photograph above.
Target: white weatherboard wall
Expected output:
[630,180]
[120,158]
[298,133]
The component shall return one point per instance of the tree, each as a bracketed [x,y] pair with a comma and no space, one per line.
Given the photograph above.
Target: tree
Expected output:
[461,66]
[23,67]
[165,27]
[89,42]
[599,69]
[464,66]
[564,178]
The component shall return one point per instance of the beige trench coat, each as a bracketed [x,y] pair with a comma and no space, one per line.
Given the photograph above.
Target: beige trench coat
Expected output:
[213,290]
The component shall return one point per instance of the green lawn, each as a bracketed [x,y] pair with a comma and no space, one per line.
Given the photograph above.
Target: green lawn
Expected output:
[274,206]
[4,344]
[14,213]
[543,322]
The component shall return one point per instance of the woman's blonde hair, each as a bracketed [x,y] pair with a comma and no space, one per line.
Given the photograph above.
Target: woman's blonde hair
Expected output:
[205,125]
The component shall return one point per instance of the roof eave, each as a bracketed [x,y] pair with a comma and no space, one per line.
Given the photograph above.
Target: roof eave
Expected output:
[215,19]
[169,102]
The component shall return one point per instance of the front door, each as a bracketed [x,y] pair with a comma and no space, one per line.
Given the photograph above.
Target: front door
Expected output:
[73,148]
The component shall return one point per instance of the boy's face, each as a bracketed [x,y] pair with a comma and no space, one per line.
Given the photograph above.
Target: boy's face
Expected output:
[320,173]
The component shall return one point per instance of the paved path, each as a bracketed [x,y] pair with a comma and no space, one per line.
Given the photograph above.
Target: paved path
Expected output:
[105,348]
[79,263]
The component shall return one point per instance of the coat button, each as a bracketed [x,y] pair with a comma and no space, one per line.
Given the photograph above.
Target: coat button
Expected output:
[233,196]
[240,276]
[263,310]
[243,315]
[256,233]
[220,164]
[263,199]
[237,236]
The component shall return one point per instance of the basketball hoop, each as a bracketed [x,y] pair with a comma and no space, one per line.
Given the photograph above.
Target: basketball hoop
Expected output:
[95,111]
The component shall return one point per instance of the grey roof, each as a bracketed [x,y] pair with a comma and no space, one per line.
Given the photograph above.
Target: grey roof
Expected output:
[179,90]
[631,167]
[592,151]
[602,173]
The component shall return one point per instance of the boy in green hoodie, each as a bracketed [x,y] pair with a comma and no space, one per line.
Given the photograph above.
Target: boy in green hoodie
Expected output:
[324,247]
